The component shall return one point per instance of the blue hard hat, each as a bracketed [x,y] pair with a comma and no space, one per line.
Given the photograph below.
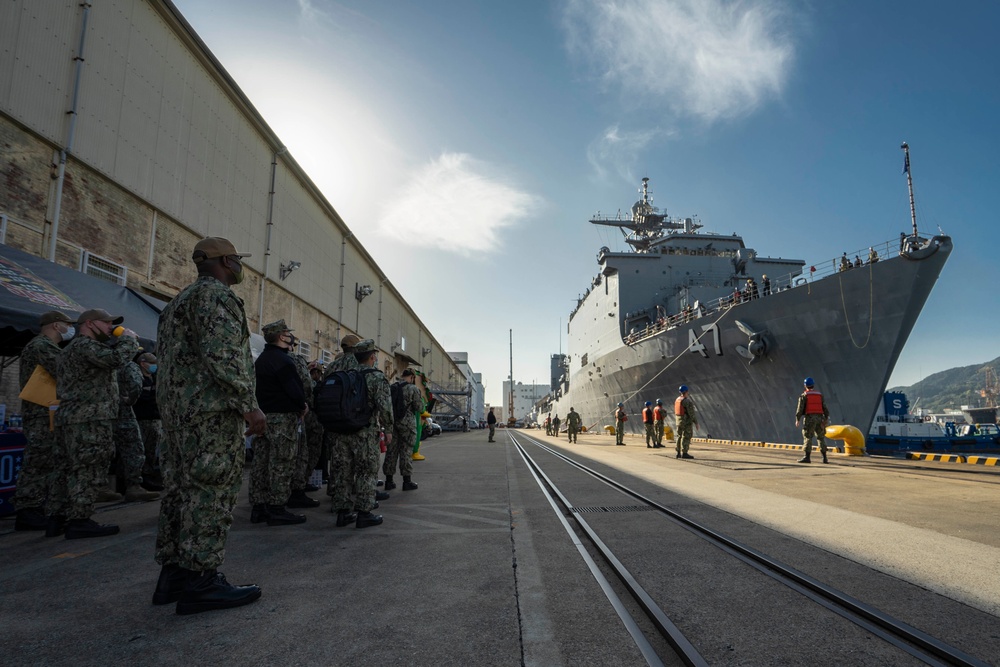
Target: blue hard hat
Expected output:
[648,404]
[808,382]
[682,388]
[659,401]
[621,405]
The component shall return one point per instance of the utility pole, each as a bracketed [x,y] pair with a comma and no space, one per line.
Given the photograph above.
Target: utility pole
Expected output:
[510,403]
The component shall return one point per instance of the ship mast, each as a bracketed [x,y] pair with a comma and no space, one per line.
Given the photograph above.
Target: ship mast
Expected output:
[909,184]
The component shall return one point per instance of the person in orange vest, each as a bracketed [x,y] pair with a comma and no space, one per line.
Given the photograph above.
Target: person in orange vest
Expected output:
[813,414]
[658,415]
[647,421]
[686,419]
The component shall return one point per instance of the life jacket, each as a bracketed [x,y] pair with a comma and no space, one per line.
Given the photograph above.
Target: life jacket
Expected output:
[814,402]
[679,409]
[647,416]
[658,413]
[620,415]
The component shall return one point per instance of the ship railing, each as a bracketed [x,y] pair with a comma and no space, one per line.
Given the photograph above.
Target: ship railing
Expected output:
[814,272]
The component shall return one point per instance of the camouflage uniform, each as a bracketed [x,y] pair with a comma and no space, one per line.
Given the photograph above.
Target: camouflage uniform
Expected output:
[658,418]
[685,423]
[620,418]
[647,422]
[310,442]
[281,396]
[355,455]
[88,409]
[813,424]
[39,467]
[573,425]
[128,438]
[205,385]
[404,434]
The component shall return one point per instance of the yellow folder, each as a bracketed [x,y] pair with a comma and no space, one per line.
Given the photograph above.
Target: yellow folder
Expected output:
[40,388]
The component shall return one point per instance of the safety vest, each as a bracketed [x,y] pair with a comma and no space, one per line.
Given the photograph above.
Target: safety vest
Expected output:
[679,409]
[814,402]
[658,413]
[620,415]
[647,416]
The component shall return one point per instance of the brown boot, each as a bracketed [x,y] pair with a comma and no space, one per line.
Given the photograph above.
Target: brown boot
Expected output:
[108,494]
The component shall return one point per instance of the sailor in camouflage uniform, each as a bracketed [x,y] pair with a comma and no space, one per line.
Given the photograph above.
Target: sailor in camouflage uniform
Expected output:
[205,392]
[404,435]
[281,396]
[148,417]
[38,467]
[363,446]
[813,413]
[128,439]
[686,417]
[88,408]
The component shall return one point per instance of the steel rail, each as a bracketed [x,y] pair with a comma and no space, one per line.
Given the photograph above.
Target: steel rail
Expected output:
[684,648]
[905,637]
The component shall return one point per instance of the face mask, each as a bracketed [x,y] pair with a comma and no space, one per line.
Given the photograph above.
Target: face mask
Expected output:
[238,275]
[68,334]
[100,336]
[152,368]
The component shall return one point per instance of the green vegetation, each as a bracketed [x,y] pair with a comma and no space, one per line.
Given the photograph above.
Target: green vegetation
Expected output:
[954,387]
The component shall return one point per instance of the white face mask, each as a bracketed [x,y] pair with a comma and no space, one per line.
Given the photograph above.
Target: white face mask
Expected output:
[68,334]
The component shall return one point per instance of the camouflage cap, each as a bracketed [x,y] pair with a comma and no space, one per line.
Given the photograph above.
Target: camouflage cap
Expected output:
[146,357]
[349,341]
[367,345]
[409,373]
[275,328]
[215,246]
[53,316]
[101,315]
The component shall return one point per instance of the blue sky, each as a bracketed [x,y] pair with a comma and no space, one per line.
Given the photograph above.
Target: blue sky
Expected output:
[468,143]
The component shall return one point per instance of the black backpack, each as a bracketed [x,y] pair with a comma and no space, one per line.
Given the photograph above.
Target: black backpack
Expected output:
[341,401]
[398,404]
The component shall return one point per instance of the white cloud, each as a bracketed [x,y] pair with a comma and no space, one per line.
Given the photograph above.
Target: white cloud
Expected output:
[616,150]
[712,59]
[451,204]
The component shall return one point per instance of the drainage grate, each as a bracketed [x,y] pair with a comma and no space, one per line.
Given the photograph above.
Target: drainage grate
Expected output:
[621,508]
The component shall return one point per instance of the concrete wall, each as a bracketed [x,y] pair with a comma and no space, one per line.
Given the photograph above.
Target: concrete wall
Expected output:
[166,150]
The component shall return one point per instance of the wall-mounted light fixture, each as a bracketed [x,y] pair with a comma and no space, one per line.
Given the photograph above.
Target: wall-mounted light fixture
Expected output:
[285,269]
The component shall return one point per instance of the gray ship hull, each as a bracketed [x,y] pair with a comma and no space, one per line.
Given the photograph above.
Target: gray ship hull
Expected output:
[845,330]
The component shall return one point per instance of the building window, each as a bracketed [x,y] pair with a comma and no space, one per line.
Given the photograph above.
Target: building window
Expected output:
[402,343]
[325,356]
[305,349]
[103,268]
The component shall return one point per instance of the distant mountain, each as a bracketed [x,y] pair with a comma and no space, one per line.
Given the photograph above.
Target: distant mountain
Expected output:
[951,388]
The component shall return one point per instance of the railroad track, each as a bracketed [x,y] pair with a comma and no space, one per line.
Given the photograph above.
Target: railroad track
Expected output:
[918,645]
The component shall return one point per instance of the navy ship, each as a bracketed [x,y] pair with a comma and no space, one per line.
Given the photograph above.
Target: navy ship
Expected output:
[686,306]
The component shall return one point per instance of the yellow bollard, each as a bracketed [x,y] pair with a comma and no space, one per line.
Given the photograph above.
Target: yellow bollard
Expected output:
[854,440]
[668,432]
[610,429]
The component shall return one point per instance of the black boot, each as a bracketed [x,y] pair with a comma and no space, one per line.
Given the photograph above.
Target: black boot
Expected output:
[346,518]
[277,515]
[805,459]
[685,455]
[367,519]
[300,499]
[258,513]
[209,590]
[56,526]
[381,495]
[408,485]
[173,579]
[30,518]
[80,528]
[389,484]
[824,458]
